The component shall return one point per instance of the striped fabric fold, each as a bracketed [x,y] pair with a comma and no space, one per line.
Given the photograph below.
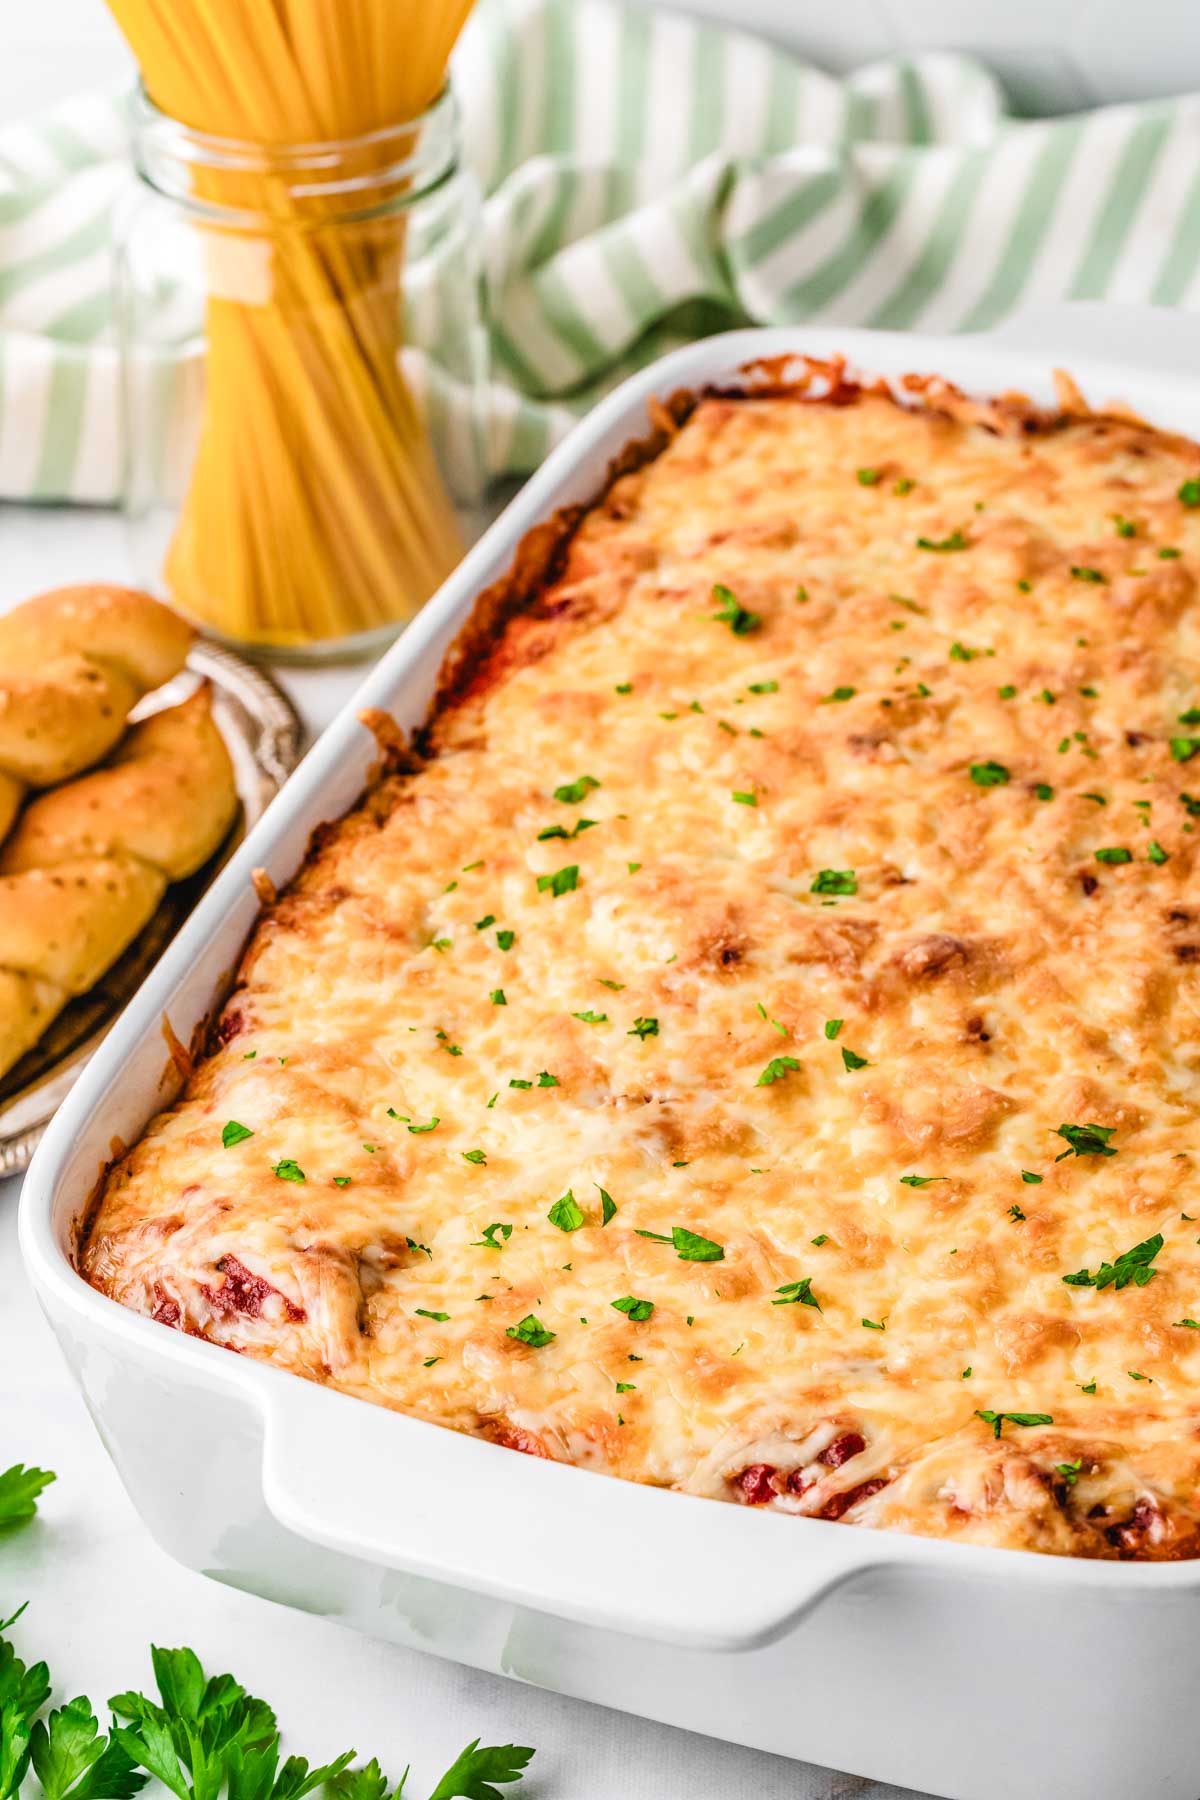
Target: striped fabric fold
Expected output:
[649,178]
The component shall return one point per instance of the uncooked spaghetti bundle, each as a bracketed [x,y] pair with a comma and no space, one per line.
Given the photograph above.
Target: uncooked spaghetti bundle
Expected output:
[315,509]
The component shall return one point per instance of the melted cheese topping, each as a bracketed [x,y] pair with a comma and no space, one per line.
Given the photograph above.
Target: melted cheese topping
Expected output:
[950,672]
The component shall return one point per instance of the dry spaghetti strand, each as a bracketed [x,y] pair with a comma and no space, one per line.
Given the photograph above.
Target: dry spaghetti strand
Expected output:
[315,509]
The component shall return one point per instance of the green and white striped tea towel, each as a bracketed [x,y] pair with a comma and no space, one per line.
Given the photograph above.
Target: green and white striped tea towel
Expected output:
[651,178]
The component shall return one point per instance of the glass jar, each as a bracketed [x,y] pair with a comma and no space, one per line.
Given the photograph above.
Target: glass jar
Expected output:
[304,352]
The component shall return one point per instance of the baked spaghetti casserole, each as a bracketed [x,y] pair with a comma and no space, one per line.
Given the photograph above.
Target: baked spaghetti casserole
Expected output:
[749,1046]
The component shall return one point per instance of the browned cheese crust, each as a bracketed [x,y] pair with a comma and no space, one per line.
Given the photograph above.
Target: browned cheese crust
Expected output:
[948,672]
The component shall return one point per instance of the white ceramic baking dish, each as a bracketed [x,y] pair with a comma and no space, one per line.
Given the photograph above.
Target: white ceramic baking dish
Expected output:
[974,1673]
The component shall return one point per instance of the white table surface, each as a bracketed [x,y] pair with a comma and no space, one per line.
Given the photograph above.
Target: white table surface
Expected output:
[100,1590]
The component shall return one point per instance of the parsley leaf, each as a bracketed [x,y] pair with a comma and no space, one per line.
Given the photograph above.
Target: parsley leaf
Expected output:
[850,1061]
[19,1490]
[439,1318]
[472,1775]
[832,1027]
[563,881]
[432,1126]
[839,694]
[834,881]
[1114,855]
[1131,1266]
[776,1070]
[531,1331]
[922,1180]
[287,1170]
[744,799]
[739,620]
[233,1133]
[478,1157]
[71,1755]
[572,792]
[764,687]
[797,1293]
[591,1018]
[608,1206]
[1189,493]
[996,1419]
[488,1240]
[691,1247]
[637,1310]
[1086,1140]
[643,1028]
[505,939]
[1184,748]
[956,541]
[1030,1179]
[989,774]
[1083,574]
[566,1213]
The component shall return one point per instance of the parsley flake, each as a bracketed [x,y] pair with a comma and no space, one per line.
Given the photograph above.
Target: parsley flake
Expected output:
[1189,493]
[608,1206]
[1084,574]
[572,792]
[497,997]
[956,541]
[776,1070]
[838,695]
[1114,855]
[488,1240]
[832,1027]
[834,881]
[850,1061]
[1086,1140]
[637,1310]
[739,620]
[1155,853]
[643,1028]
[566,1214]
[287,1170]
[919,1181]
[591,1018]
[743,799]
[763,687]
[1132,1266]
[873,1324]
[530,1331]
[505,939]
[439,1318]
[478,1157]
[989,774]
[233,1133]
[996,1419]
[797,1293]
[1184,748]
[563,881]
[1030,1179]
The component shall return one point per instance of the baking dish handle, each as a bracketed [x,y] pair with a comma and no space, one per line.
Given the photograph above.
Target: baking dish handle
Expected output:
[398,1492]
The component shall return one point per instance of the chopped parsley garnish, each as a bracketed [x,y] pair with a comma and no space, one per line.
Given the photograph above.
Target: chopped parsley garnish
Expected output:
[566,1213]
[560,831]
[996,1419]
[1007,693]
[643,1028]
[1168,553]
[1015,1214]
[488,1240]
[1190,805]
[776,1070]
[608,1206]
[837,696]
[1086,1140]
[233,1133]
[742,799]
[1086,1387]
[1099,799]
[419,1249]
[487,919]
[850,1061]
[873,1324]
[1030,1179]
[497,997]
[439,1318]
[869,477]
[563,881]
[989,774]
[960,653]
[430,1361]
[1155,853]
[1184,748]
[1114,854]
[616,986]
[518,1082]
[432,1126]
[904,484]
[1189,493]
[822,1237]
[1084,574]
[506,939]
[530,1331]
[1069,1471]
[763,687]
[447,1046]
[956,541]
[474,1156]
[1124,528]
[797,1293]
[832,1027]
[1043,790]
[287,1170]
[546,1079]
[739,620]
[591,1018]
[626,1387]
[441,945]
[623,687]
[1191,716]
[922,1180]
[1136,1375]
[834,881]
[572,792]
[1132,1266]
[1189,1324]
[635,1309]
[341,1181]
[689,1245]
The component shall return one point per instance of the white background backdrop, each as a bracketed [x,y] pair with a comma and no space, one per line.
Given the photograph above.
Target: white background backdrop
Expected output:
[100,1590]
